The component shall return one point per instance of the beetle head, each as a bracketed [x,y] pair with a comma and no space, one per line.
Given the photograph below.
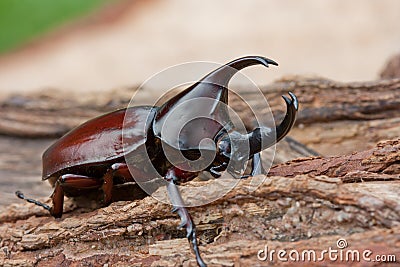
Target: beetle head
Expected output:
[234,148]
[232,152]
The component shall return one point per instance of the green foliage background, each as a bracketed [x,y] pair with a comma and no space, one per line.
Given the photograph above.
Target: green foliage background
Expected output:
[23,20]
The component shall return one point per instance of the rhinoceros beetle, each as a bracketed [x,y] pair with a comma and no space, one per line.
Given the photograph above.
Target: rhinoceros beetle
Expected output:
[92,156]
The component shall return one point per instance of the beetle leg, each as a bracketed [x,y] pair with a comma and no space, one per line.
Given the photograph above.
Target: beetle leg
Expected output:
[214,172]
[107,186]
[122,170]
[256,165]
[187,222]
[73,181]
[186,219]
[78,181]
[119,170]
[58,200]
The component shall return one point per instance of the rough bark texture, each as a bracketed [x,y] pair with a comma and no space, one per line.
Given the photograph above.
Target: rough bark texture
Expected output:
[340,118]
[379,163]
[307,211]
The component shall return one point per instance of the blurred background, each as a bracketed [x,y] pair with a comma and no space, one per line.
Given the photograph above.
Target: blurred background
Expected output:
[97,45]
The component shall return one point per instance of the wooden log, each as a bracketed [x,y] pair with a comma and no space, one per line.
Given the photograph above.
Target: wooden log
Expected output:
[52,113]
[340,118]
[334,118]
[321,100]
[307,211]
[380,162]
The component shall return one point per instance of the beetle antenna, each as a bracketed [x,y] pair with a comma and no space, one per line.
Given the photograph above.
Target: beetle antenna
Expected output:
[30,200]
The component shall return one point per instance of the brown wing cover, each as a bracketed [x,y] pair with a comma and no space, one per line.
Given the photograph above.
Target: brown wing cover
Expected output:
[99,140]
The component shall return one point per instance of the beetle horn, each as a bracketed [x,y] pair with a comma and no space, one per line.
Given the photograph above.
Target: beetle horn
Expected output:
[207,98]
[261,138]
[214,85]
[223,74]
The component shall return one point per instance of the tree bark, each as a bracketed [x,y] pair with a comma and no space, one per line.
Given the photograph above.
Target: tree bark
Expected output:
[300,206]
[379,163]
[338,118]
[334,118]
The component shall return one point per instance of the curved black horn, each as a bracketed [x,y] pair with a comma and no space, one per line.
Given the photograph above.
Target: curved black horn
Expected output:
[224,74]
[261,138]
[292,105]
[214,85]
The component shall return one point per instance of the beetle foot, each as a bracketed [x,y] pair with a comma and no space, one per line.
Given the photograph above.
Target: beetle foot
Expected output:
[187,222]
[192,238]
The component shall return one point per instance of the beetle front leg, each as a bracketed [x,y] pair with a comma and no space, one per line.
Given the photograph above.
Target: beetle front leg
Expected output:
[256,165]
[186,219]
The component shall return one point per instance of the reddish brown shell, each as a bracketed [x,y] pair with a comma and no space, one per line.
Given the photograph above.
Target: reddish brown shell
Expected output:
[99,140]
